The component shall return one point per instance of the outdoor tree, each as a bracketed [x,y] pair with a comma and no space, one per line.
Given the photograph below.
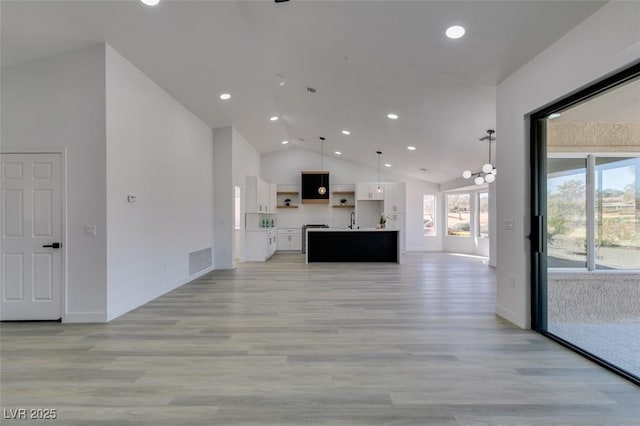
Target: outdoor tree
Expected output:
[565,208]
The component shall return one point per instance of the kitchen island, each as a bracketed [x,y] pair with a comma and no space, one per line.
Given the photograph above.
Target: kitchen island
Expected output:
[352,245]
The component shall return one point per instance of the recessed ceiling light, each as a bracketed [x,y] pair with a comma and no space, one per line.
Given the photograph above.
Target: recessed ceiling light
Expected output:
[455,31]
[338,153]
[225,96]
[554,115]
[392,116]
[150,2]
[346,132]
[387,165]
[411,148]
[285,142]
[274,118]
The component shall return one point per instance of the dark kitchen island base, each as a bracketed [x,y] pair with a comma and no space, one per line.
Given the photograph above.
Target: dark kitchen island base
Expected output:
[346,245]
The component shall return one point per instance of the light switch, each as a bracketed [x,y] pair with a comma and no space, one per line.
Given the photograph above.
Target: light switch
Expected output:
[509,224]
[90,230]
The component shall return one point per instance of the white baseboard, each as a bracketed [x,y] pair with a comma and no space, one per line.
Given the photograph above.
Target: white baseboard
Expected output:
[511,316]
[84,317]
[130,305]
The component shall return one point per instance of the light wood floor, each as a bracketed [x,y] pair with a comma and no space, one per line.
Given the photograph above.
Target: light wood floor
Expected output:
[284,343]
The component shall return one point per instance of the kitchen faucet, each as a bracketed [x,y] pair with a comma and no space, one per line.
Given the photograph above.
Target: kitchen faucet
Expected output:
[352,220]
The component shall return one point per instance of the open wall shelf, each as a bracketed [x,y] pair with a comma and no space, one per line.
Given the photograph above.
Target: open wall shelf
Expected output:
[343,199]
[283,194]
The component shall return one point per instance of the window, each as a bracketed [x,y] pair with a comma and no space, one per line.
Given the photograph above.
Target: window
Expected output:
[429,215]
[566,212]
[458,213]
[617,213]
[482,228]
[597,228]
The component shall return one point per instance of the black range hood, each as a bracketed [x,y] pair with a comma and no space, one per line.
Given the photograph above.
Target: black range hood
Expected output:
[312,180]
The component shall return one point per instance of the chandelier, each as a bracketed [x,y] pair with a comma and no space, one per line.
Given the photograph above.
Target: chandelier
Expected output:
[488,173]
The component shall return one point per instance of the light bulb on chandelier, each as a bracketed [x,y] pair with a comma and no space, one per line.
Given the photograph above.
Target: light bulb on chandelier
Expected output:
[488,172]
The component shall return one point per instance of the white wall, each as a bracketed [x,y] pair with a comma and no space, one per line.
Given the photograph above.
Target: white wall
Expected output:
[416,240]
[162,153]
[605,42]
[224,193]
[493,226]
[284,167]
[246,162]
[57,104]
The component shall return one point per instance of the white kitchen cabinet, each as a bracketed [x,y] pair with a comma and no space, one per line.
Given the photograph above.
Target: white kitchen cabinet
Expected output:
[394,198]
[260,244]
[263,196]
[273,198]
[258,194]
[369,191]
[395,221]
[289,239]
[272,237]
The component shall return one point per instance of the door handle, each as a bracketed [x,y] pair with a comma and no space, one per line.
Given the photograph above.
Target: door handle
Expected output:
[53,245]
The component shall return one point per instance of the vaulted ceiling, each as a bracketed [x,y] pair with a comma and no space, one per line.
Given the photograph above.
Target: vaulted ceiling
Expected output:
[345,65]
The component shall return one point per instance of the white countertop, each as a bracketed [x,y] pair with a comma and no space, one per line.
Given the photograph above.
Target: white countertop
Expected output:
[349,230]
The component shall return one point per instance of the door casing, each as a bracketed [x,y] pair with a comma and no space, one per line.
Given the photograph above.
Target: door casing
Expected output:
[63,202]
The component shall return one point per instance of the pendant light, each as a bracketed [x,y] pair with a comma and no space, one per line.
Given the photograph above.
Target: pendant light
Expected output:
[322,189]
[488,171]
[379,188]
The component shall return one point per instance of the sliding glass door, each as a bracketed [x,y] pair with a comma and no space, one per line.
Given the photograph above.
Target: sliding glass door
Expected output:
[586,222]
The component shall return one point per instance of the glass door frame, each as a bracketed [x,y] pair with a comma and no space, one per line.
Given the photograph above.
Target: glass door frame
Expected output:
[538,204]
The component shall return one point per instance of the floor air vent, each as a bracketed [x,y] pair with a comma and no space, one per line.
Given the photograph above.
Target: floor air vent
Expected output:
[199,260]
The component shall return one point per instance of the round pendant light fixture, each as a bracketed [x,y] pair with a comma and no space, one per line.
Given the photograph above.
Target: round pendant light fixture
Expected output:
[379,187]
[322,189]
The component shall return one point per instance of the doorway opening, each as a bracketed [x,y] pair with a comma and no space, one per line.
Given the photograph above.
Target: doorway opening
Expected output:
[585,239]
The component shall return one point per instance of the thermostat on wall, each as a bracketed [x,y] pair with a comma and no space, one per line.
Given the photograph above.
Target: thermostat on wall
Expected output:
[131,198]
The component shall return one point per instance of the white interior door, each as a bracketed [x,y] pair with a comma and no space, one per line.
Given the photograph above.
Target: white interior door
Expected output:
[31,227]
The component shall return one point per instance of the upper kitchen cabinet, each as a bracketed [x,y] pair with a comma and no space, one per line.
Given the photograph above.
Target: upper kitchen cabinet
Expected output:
[369,191]
[273,198]
[258,195]
[394,197]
